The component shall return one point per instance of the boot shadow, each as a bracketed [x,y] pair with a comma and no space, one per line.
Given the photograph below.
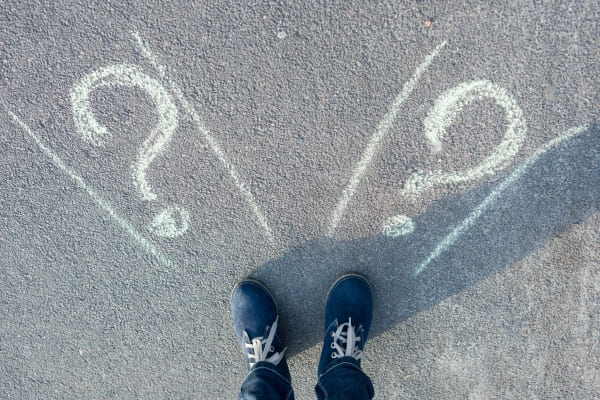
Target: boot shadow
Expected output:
[560,189]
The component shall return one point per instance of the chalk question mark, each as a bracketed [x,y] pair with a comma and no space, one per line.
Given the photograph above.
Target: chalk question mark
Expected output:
[445,111]
[172,221]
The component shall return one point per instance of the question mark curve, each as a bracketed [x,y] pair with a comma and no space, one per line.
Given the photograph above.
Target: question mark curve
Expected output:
[127,75]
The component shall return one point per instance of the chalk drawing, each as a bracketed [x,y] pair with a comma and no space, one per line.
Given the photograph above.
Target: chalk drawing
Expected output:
[443,113]
[156,143]
[212,142]
[461,228]
[398,225]
[382,130]
[146,244]
[164,224]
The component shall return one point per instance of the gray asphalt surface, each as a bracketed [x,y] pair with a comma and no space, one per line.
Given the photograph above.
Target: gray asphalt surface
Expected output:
[495,294]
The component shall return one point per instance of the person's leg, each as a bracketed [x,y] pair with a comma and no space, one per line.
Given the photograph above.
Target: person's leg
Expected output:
[348,314]
[255,319]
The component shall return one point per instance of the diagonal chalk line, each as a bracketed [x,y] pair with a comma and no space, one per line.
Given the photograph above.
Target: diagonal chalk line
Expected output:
[382,129]
[146,244]
[214,145]
[461,228]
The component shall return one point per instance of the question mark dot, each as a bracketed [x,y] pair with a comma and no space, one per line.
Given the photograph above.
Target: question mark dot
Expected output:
[171,222]
[399,225]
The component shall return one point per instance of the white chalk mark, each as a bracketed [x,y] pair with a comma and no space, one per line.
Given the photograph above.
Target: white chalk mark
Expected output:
[166,110]
[141,240]
[167,223]
[156,142]
[460,229]
[214,145]
[445,111]
[382,129]
[398,225]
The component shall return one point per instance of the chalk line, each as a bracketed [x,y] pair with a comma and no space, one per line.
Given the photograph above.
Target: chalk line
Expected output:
[214,145]
[461,228]
[399,225]
[147,245]
[373,146]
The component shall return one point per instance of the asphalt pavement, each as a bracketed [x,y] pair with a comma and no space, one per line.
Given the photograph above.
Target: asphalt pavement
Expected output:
[152,154]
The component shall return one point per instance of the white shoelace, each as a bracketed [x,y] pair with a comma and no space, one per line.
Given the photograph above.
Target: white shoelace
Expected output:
[346,335]
[261,348]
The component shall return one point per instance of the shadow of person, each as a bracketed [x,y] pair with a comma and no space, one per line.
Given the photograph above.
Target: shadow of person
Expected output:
[561,188]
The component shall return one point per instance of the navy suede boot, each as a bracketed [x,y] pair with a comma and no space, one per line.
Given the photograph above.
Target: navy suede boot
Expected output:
[348,314]
[255,319]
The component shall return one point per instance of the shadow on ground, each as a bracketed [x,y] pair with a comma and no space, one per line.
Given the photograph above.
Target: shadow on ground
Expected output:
[560,189]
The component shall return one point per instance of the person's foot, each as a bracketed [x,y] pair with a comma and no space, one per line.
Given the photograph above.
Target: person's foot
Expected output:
[255,319]
[348,314]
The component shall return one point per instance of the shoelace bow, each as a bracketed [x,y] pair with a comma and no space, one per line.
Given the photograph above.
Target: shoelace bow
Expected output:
[261,348]
[346,335]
